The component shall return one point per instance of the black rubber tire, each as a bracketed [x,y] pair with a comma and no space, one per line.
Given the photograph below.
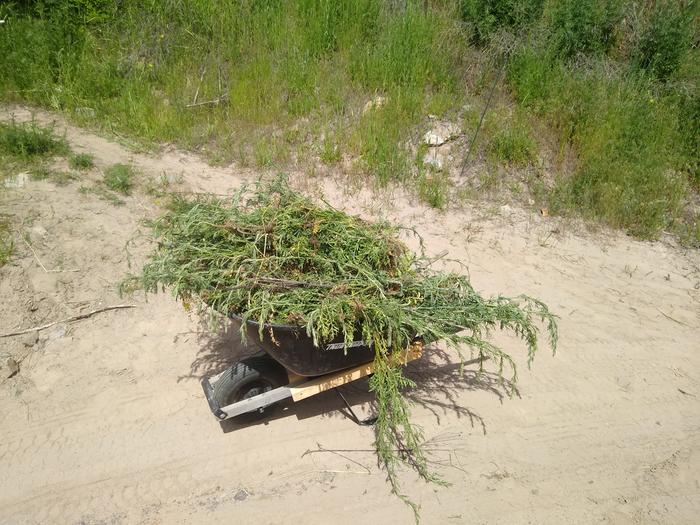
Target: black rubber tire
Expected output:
[249,377]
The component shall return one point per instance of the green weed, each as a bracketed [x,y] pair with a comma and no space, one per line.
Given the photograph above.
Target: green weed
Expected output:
[28,141]
[303,66]
[433,189]
[665,38]
[81,161]
[102,193]
[488,16]
[628,154]
[513,145]
[269,152]
[61,178]
[582,26]
[627,138]
[6,242]
[120,178]
[275,63]
[330,153]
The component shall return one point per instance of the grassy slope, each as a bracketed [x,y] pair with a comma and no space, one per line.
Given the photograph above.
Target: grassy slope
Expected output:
[613,81]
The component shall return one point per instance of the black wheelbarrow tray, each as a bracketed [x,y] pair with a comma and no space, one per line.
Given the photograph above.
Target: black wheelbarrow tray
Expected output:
[289,366]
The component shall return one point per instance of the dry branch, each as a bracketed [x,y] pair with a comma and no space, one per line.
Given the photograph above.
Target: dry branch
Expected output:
[213,102]
[68,319]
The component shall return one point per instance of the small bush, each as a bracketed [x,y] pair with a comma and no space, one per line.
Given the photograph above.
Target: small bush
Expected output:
[487,16]
[29,141]
[582,26]
[81,161]
[120,178]
[665,39]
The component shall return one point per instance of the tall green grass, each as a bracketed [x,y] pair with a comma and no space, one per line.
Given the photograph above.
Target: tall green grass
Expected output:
[280,82]
[275,63]
[631,125]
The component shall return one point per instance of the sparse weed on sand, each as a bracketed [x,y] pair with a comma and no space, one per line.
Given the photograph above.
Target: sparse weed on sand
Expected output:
[102,193]
[81,161]
[6,242]
[433,189]
[59,177]
[120,178]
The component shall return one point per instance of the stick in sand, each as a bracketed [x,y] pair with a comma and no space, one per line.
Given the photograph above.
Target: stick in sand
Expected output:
[69,319]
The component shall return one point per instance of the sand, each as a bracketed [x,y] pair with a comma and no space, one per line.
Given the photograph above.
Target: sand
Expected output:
[106,422]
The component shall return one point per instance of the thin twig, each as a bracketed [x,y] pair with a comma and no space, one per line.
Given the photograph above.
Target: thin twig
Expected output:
[35,255]
[201,78]
[671,318]
[321,449]
[289,283]
[42,264]
[68,319]
[481,120]
[213,102]
[398,449]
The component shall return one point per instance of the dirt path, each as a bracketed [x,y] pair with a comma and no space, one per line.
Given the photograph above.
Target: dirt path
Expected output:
[106,421]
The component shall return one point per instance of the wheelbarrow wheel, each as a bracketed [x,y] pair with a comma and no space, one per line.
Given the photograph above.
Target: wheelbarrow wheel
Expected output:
[247,378]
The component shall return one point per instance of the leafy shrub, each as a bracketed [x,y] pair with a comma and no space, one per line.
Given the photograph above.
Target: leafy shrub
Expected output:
[582,26]
[487,16]
[665,39]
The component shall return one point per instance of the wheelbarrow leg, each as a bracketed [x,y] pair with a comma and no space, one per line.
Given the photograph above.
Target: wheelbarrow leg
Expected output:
[362,422]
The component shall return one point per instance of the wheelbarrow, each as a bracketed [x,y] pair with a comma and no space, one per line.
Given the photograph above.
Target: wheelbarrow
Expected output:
[290,366]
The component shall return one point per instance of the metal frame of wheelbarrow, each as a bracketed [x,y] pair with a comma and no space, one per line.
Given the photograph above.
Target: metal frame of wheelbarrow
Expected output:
[300,388]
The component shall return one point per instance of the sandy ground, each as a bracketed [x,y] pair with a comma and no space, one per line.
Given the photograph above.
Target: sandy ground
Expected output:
[106,422]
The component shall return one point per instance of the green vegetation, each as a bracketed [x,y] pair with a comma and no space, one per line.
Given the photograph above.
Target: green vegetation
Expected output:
[119,178]
[513,145]
[61,178]
[270,255]
[81,161]
[28,146]
[274,83]
[103,193]
[28,141]
[634,138]
[433,189]
[6,242]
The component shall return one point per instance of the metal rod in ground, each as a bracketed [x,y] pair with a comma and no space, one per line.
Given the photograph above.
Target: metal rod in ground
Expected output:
[481,120]
[362,422]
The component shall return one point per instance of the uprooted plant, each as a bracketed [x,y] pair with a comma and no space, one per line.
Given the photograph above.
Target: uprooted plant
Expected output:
[271,255]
